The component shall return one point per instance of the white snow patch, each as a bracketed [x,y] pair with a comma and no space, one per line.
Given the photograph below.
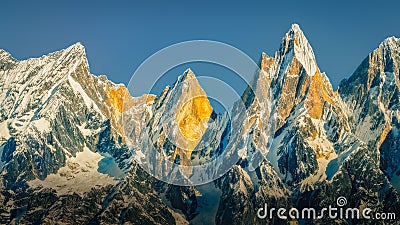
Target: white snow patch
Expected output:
[78,176]
[88,101]
[88,132]
[242,153]
[138,156]
[364,131]
[1,161]
[42,125]
[308,183]
[334,165]
[305,55]
[321,142]
[272,155]
[4,132]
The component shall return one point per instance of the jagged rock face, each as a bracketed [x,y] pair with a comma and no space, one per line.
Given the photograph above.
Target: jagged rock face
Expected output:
[46,98]
[298,77]
[297,142]
[194,111]
[243,192]
[314,149]
[55,119]
[373,100]
[174,123]
[132,201]
[310,119]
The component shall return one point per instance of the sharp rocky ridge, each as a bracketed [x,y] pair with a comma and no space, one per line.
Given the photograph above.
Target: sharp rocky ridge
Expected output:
[65,155]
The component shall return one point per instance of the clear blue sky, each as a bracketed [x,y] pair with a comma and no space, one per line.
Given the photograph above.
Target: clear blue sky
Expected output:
[119,35]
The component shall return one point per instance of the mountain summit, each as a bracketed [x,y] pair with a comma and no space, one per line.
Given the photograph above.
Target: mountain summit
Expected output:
[297,44]
[372,97]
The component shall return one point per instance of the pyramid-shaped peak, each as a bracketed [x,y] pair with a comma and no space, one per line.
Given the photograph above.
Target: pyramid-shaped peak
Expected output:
[188,74]
[391,39]
[296,34]
[4,52]
[5,56]
[76,48]
[391,42]
[191,111]
[295,41]
[77,45]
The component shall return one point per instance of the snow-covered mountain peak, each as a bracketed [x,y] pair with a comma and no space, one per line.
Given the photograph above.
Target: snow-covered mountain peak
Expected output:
[297,80]
[295,28]
[379,69]
[389,49]
[372,96]
[4,55]
[188,95]
[187,86]
[76,48]
[187,75]
[6,60]
[392,42]
[296,32]
[296,45]
[70,57]
[179,118]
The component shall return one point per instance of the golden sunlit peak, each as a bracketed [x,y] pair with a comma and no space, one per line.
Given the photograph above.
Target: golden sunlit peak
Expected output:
[189,74]
[266,61]
[116,96]
[195,109]
[193,114]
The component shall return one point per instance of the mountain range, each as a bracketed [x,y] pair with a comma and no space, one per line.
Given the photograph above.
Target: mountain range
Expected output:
[68,155]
